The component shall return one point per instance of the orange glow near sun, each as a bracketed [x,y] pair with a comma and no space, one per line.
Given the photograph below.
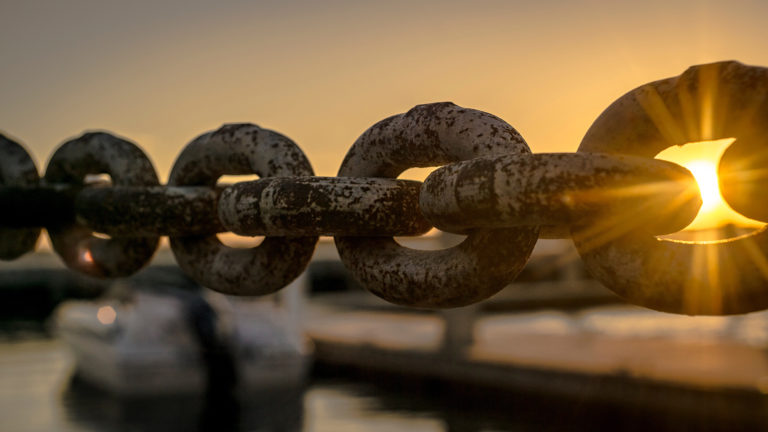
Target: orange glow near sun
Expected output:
[702,158]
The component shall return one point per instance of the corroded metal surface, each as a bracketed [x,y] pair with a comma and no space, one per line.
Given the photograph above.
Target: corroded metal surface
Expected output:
[241,149]
[560,190]
[150,211]
[716,278]
[706,102]
[16,169]
[485,261]
[429,135]
[323,206]
[725,277]
[127,165]
[611,196]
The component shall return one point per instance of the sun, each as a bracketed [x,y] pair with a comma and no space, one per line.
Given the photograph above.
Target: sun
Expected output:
[701,159]
[705,173]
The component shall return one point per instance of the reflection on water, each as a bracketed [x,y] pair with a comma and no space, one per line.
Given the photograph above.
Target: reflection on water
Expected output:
[346,408]
[38,392]
[276,410]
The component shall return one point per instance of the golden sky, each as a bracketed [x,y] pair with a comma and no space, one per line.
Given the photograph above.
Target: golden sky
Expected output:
[162,72]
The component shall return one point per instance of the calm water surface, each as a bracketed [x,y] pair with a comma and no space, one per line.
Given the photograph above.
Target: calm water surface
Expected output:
[38,392]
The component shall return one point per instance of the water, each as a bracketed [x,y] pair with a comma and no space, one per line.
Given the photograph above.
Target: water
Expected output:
[38,392]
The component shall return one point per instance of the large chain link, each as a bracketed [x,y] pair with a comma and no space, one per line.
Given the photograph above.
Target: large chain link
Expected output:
[611,197]
[707,102]
[486,261]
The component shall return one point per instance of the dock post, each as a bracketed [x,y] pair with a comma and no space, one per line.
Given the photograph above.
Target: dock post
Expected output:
[292,300]
[459,333]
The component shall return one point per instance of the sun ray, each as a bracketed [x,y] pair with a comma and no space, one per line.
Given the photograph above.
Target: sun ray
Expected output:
[653,104]
[702,158]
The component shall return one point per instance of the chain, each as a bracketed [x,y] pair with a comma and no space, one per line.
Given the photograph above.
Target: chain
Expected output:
[611,197]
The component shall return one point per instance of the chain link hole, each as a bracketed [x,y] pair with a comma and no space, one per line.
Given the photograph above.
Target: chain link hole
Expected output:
[715,220]
[100,179]
[435,239]
[418,174]
[232,179]
[239,242]
[231,239]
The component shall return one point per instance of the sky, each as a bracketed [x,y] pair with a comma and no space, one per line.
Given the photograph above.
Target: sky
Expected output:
[162,72]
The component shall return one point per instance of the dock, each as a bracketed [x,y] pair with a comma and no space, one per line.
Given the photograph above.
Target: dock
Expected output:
[619,354]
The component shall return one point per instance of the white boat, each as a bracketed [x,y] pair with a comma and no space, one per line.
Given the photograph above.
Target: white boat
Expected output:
[157,335]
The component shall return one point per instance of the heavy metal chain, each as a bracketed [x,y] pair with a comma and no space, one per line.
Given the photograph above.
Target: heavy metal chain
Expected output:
[611,197]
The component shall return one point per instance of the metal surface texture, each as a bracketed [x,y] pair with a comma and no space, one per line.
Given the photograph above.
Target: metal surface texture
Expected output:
[743,171]
[16,169]
[560,190]
[486,261]
[706,102]
[127,165]
[311,206]
[611,197]
[241,149]
[150,211]
[725,277]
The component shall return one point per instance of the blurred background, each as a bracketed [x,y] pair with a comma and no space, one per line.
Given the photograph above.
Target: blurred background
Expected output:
[162,73]
[553,351]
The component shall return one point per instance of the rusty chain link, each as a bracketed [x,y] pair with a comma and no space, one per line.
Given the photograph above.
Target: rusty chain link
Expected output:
[16,169]
[486,261]
[241,149]
[127,165]
[726,277]
[611,197]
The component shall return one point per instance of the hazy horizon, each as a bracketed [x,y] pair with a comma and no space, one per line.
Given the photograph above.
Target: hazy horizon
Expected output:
[161,73]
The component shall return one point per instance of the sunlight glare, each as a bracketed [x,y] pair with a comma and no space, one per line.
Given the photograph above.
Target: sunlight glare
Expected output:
[702,158]
[705,173]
